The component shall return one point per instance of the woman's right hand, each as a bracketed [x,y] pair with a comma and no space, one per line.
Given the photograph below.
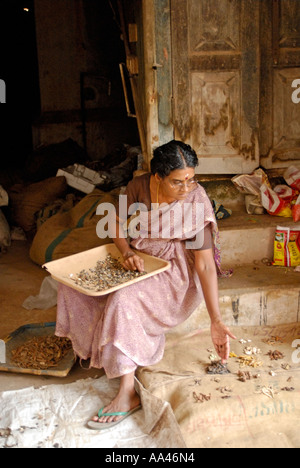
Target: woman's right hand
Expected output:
[133,262]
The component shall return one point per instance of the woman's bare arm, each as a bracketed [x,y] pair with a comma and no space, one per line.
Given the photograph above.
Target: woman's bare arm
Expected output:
[131,260]
[207,272]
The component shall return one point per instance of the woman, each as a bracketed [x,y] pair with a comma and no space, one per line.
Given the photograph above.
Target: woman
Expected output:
[126,329]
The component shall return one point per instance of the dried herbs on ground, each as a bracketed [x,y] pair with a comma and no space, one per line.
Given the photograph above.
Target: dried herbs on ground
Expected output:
[41,352]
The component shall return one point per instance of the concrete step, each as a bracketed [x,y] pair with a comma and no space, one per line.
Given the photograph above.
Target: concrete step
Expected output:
[256,294]
[244,238]
[249,238]
[253,296]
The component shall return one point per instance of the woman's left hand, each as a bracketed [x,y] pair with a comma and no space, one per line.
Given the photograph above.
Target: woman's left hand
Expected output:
[220,336]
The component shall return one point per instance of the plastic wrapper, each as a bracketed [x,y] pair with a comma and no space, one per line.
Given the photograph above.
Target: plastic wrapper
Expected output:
[283,200]
[253,205]
[287,247]
[280,201]
[47,297]
[274,204]
[296,210]
[286,193]
[292,177]
[249,185]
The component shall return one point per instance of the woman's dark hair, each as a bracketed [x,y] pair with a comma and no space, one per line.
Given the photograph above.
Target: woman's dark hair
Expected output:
[171,156]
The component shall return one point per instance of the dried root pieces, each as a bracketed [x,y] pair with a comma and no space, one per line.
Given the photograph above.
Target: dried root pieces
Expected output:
[41,352]
[268,392]
[244,376]
[275,355]
[250,361]
[225,391]
[217,368]
[201,397]
[252,351]
[273,340]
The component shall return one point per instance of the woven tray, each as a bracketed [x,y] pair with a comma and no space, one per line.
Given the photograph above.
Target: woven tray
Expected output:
[61,269]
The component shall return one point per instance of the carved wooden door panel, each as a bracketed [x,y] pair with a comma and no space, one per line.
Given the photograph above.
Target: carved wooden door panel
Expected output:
[280,115]
[215,53]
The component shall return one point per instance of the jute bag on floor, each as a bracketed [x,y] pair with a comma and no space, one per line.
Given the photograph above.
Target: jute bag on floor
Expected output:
[72,232]
[27,200]
[221,411]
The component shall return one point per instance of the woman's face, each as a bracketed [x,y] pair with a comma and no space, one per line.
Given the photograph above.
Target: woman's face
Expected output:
[179,183]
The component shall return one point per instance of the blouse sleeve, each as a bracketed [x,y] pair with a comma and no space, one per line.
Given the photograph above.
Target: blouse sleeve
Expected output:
[206,241]
[127,200]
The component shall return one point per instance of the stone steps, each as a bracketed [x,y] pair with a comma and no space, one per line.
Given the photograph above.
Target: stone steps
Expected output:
[256,294]
[253,296]
[261,295]
[249,238]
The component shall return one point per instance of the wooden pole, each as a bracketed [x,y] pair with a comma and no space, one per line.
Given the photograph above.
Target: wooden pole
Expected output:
[136,98]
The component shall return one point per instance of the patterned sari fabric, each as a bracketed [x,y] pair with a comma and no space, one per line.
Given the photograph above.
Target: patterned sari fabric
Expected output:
[126,328]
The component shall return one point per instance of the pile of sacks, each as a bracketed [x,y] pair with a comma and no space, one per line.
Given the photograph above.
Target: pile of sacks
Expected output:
[282,200]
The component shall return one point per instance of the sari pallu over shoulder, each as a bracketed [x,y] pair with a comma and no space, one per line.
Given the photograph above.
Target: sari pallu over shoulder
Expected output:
[161,228]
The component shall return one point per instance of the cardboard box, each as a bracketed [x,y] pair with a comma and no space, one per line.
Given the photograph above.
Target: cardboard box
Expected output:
[81,177]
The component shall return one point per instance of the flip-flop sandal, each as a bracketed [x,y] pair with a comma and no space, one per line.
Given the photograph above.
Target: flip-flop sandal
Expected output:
[100,426]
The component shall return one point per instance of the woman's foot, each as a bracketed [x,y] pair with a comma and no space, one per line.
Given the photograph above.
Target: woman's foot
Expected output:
[126,400]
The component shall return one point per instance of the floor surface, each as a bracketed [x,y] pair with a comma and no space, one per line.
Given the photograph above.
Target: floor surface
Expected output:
[19,279]
[239,417]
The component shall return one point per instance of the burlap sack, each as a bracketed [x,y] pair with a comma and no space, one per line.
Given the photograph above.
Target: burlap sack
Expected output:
[72,232]
[26,201]
[262,412]
[3,197]
[5,236]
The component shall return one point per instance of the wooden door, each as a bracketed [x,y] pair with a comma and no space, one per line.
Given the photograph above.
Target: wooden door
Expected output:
[280,71]
[215,52]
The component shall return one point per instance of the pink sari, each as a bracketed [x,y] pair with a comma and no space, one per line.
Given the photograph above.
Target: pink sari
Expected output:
[126,329]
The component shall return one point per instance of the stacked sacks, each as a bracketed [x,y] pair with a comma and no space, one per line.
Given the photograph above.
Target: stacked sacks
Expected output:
[26,200]
[71,232]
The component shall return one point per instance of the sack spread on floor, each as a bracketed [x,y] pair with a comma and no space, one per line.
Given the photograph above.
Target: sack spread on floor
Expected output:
[255,405]
[55,416]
